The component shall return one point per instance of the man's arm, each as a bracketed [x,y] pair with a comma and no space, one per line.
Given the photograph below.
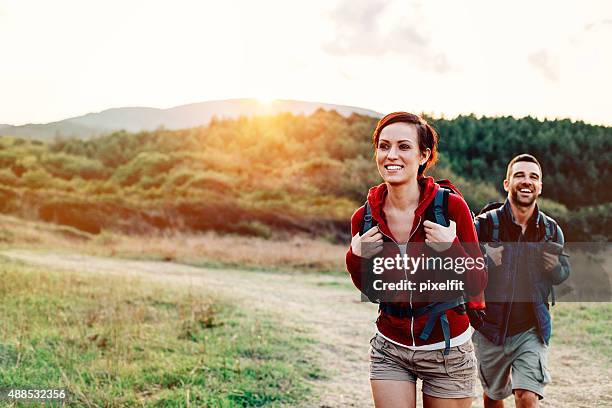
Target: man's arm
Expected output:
[559,269]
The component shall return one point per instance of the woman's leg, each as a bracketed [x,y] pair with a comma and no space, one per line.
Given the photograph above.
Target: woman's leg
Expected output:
[433,402]
[448,380]
[393,394]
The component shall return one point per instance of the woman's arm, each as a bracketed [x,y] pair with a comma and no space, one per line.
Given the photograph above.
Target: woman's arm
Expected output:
[353,262]
[466,245]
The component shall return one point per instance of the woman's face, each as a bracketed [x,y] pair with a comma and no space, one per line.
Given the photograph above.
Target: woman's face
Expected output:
[398,155]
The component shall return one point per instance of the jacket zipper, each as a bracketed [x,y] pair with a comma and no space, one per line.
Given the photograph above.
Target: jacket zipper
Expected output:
[513,282]
[405,274]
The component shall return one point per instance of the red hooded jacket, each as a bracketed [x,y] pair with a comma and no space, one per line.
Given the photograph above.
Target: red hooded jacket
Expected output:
[406,330]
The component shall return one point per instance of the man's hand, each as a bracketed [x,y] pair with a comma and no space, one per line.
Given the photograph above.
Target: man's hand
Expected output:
[550,260]
[373,238]
[494,253]
[439,237]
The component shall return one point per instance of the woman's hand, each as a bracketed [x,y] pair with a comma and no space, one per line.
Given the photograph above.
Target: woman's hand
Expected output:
[438,237]
[373,238]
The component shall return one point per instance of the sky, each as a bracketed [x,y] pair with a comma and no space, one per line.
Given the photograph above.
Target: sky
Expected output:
[548,59]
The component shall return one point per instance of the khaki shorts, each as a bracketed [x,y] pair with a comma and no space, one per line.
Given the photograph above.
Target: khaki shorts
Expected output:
[520,363]
[451,376]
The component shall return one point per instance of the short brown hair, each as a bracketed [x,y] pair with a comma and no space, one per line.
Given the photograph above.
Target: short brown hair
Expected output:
[428,137]
[524,157]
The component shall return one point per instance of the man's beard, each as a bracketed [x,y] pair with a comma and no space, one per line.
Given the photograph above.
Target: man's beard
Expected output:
[522,202]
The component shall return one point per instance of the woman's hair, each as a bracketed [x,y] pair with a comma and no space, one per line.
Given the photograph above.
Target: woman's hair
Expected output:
[428,138]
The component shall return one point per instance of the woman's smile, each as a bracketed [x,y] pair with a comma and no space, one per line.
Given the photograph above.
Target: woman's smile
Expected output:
[393,167]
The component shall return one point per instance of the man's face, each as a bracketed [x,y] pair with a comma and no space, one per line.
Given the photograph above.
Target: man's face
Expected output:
[525,183]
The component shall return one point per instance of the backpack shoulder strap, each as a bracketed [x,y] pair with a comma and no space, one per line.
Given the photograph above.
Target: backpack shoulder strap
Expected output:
[550,227]
[551,231]
[495,214]
[367,221]
[440,207]
[478,221]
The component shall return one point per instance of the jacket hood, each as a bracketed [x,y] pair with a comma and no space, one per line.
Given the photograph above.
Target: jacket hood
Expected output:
[377,195]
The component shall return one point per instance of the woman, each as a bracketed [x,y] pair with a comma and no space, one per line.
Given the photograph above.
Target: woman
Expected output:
[406,145]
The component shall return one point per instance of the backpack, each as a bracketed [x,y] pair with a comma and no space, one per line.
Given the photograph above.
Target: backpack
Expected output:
[436,212]
[492,212]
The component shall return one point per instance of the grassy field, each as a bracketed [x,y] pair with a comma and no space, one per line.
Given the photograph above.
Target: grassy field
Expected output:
[587,326]
[283,254]
[124,342]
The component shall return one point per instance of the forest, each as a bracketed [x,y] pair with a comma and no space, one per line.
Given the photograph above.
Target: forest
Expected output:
[275,175]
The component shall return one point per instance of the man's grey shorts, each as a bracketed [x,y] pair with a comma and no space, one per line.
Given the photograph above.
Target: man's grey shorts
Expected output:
[520,363]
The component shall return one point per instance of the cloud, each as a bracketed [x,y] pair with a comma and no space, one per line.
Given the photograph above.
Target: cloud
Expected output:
[597,24]
[359,14]
[360,31]
[545,63]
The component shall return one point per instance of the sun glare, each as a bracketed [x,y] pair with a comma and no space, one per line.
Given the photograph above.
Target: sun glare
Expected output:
[265,99]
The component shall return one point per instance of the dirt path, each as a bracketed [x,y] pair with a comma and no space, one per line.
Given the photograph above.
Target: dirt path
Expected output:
[340,323]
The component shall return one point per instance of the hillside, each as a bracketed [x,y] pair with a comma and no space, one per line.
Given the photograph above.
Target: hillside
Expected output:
[282,174]
[136,119]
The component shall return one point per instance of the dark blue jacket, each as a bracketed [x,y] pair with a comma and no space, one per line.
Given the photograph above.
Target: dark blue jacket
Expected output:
[522,255]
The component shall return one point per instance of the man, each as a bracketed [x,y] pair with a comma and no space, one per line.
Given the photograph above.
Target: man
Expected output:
[524,257]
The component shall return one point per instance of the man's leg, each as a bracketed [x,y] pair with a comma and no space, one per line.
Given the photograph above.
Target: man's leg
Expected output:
[525,399]
[493,371]
[529,372]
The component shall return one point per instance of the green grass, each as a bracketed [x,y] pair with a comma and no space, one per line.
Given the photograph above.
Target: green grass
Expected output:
[587,326]
[118,341]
